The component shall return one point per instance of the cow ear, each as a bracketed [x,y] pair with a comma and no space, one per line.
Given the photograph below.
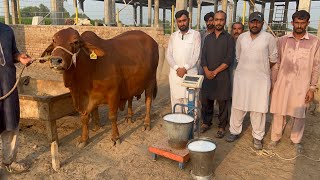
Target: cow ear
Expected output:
[48,50]
[93,49]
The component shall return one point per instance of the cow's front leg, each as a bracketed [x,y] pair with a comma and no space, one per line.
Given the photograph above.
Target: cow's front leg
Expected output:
[130,112]
[85,131]
[113,118]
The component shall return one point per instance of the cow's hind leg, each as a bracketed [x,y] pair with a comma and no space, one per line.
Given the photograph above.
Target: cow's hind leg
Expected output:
[113,118]
[149,92]
[95,119]
[130,111]
[85,132]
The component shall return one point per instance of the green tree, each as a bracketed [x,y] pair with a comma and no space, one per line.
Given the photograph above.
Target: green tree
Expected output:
[80,15]
[42,10]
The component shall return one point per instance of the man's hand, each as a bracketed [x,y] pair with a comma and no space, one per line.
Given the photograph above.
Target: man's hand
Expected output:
[309,97]
[24,58]
[209,74]
[181,72]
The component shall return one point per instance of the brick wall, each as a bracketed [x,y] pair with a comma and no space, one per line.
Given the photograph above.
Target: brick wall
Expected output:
[34,39]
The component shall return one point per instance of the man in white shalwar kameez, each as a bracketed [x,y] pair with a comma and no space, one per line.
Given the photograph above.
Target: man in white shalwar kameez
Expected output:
[256,52]
[183,54]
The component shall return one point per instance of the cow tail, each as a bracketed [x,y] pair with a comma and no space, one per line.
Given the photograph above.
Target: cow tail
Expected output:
[155,90]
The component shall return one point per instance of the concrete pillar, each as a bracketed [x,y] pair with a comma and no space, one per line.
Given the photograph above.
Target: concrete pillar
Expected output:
[19,13]
[224,4]
[318,34]
[141,13]
[235,6]
[164,19]
[57,12]
[263,7]
[230,12]
[216,4]
[252,4]
[156,13]
[14,12]
[190,12]
[135,14]
[113,12]
[107,12]
[271,12]
[6,12]
[304,5]
[181,4]
[149,12]
[172,18]
[198,15]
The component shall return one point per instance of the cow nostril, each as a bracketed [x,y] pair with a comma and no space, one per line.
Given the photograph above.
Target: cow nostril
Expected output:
[59,61]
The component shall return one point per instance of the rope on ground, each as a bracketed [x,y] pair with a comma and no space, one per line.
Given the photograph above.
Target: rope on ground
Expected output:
[270,153]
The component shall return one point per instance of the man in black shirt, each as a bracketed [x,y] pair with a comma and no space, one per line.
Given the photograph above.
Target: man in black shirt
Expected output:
[217,55]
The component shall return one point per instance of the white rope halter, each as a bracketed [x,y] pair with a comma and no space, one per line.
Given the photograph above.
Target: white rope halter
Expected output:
[74,55]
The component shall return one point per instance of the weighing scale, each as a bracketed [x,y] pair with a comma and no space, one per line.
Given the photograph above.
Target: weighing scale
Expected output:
[193,84]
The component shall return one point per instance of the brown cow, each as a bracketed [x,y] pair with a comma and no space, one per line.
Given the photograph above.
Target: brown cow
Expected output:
[119,69]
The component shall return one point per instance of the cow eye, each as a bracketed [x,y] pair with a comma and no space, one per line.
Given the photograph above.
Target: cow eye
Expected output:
[74,43]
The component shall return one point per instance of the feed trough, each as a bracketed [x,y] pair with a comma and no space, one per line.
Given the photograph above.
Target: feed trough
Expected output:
[46,100]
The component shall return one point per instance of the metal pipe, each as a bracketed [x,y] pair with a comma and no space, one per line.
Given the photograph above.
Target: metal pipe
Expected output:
[172,19]
[244,11]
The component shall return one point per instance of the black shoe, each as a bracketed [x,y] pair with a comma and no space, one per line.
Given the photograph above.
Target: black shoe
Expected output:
[257,144]
[232,137]
[220,134]
[204,128]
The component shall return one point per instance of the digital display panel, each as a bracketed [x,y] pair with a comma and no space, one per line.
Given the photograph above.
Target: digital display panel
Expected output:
[190,78]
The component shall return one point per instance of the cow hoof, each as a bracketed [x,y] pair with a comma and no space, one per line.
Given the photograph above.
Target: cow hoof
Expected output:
[129,119]
[81,144]
[146,127]
[96,128]
[117,142]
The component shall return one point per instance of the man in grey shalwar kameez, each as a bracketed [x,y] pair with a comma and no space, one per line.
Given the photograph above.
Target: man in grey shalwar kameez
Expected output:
[9,107]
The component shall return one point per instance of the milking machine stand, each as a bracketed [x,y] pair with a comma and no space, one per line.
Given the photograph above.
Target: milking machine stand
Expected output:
[193,84]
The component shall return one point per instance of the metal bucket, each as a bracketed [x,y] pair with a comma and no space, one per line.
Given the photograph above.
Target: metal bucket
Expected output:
[178,128]
[201,155]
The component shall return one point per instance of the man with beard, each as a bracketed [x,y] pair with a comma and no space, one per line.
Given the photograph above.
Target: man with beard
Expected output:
[217,55]
[256,52]
[209,20]
[183,53]
[237,29]
[295,77]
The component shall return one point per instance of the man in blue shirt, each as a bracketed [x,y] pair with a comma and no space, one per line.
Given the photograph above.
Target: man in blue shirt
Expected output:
[9,107]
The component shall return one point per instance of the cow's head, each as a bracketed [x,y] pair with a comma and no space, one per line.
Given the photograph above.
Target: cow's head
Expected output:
[64,49]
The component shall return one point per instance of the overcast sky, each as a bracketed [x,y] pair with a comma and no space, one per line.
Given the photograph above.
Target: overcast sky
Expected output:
[95,10]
